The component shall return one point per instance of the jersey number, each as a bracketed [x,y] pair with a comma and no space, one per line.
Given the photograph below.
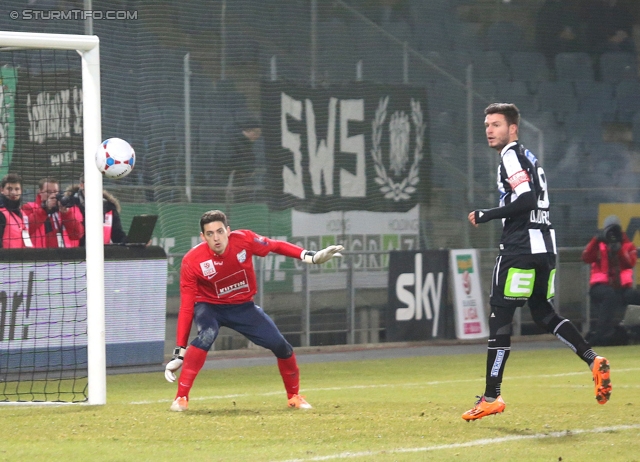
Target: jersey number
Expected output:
[543,197]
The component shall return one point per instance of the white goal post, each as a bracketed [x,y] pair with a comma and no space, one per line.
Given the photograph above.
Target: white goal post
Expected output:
[88,47]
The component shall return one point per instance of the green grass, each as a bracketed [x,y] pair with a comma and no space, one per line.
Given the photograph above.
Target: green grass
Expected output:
[388,410]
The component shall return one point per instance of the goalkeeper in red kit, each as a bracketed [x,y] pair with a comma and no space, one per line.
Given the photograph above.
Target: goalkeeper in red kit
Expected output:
[217,285]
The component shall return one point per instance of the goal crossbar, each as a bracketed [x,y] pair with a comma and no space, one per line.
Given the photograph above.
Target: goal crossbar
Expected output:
[88,47]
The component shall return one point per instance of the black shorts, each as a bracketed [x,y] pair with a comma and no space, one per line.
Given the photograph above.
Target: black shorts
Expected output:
[517,278]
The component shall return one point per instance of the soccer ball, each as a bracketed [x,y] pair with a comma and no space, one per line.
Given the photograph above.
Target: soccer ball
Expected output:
[115,158]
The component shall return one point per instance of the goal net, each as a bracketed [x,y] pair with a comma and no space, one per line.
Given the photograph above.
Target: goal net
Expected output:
[51,299]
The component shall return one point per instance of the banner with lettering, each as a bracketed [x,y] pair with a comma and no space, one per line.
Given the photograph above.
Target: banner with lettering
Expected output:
[8,80]
[355,147]
[48,112]
[418,307]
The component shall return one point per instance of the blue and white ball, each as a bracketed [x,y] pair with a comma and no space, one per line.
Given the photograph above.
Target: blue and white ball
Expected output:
[115,158]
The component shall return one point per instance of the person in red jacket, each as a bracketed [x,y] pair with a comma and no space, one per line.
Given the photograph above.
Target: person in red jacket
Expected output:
[612,257]
[14,226]
[51,223]
[217,285]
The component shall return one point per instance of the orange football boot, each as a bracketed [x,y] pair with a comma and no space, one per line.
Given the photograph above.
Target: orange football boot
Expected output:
[601,379]
[484,408]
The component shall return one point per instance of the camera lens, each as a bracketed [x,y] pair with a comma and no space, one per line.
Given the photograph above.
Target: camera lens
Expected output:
[65,201]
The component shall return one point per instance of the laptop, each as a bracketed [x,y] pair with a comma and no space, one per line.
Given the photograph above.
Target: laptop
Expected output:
[141,229]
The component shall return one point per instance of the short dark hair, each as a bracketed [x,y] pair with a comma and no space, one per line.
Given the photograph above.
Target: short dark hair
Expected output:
[44,181]
[509,110]
[211,216]
[11,178]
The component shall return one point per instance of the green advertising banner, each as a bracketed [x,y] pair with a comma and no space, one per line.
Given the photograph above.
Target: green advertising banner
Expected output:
[8,81]
[178,230]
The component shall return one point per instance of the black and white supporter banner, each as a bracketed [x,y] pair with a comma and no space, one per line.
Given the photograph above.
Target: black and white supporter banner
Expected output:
[355,147]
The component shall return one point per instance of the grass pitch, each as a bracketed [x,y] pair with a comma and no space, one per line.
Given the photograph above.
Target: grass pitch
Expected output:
[382,410]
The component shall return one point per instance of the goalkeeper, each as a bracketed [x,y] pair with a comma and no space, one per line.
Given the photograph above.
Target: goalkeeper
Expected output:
[217,285]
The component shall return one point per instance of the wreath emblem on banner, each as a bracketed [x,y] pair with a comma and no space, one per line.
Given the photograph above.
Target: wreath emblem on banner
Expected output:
[399,131]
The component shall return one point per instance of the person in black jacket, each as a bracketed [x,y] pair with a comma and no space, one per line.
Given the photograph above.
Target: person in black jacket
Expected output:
[113,232]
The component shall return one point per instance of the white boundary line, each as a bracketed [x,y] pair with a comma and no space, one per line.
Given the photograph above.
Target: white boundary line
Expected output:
[480,442]
[384,385]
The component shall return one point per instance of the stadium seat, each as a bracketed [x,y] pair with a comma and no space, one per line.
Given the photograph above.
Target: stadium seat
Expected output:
[503,36]
[446,173]
[517,93]
[557,97]
[528,66]
[443,127]
[336,61]
[535,123]
[422,70]
[488,92]
[434,36]
[584,127]
[635,127]
[374,69]
[574,66]
[400,30]
[618,66]
[597,98]
[456,62]
[490,66]
[627,100]
[446,96]
[466,36]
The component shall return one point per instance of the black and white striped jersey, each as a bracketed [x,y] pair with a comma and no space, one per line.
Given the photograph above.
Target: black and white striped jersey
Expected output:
[530,232]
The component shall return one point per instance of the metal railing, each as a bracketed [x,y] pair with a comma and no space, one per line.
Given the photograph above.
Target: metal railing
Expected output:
[348,305]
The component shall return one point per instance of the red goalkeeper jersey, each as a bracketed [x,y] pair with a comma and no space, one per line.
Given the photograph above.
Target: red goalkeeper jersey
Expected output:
[226,279]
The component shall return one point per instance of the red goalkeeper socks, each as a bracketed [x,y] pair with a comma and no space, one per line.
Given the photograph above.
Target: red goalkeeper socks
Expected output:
[193,361]
[290,374]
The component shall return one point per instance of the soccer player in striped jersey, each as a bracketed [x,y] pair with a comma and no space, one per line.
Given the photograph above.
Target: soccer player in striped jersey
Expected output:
[217,285]
[525,268]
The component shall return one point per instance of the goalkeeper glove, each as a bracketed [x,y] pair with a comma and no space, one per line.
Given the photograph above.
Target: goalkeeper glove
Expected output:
[321,256]
[174,364]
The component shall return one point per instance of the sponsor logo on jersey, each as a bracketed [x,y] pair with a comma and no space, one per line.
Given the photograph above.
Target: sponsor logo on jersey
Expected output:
[518,178]
[208,268]
[242,256]
[234,284]
[260,240]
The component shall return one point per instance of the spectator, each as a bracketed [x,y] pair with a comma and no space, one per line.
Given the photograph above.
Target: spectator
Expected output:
[558,30]
[14,232]
[53,223]
[249,153]
[113,232]
[609,27]
[612,257]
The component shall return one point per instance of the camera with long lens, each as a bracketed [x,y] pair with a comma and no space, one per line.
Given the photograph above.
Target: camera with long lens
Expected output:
[613,237]
[66,200]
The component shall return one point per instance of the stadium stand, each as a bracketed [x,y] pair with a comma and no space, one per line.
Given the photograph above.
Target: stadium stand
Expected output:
[627,99]
[596,98]
[557,97]
[617,66]
[528,66]
[574,67]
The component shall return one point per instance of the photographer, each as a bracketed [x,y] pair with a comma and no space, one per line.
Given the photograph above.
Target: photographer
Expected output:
[13,223]
[52,221]
[112,225]
[612,257]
